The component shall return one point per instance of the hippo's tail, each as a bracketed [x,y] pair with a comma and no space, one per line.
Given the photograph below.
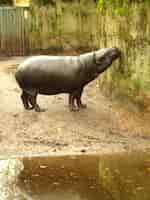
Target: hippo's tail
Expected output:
[23,83]
[19,79]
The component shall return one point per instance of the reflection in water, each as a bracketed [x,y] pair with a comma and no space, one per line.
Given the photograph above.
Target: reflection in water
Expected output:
[65,178]
[126,176]
[108,177]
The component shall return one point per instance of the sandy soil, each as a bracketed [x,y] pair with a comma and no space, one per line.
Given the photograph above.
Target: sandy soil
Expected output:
[105,126]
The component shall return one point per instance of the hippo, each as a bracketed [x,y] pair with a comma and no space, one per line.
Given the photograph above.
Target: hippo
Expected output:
[51,75]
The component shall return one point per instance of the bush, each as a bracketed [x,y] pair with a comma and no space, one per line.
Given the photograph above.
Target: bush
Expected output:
[43,2]
[6,2]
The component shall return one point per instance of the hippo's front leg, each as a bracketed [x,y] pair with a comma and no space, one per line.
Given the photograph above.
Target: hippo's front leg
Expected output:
[78,99]
[76,96]
[72,102]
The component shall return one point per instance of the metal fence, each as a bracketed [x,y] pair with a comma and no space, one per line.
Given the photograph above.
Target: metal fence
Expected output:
[13,31]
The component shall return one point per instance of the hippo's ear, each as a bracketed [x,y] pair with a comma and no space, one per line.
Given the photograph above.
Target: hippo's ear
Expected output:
[94,57]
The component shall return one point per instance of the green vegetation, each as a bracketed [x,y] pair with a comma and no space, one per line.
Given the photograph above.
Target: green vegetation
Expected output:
[43,2]
[6,2]
[122,178]
[130,32]
[119,7]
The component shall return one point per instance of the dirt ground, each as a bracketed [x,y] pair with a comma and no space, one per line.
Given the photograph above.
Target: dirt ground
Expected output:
[104,127]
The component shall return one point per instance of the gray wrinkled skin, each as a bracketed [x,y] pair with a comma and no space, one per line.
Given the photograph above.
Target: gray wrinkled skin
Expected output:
[50,75]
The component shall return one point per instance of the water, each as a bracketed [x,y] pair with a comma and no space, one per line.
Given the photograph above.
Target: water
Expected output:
[86,177]
[65,178]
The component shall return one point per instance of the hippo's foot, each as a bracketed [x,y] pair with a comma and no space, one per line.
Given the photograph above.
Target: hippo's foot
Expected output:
[38,109]
[82,106]
[29,108]
[74,108]
[26,107]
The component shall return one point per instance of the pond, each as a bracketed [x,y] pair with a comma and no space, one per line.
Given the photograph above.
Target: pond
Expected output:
[81,177]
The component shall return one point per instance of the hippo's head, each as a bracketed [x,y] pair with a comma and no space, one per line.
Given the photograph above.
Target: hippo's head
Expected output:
[104,58]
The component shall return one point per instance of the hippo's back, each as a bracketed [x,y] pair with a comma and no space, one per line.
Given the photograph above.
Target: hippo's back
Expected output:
[48,63]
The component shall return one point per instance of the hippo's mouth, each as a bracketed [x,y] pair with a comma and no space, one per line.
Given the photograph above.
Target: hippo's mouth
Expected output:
[116,53]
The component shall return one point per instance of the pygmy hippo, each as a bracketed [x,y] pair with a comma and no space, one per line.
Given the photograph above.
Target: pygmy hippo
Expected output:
[50,75]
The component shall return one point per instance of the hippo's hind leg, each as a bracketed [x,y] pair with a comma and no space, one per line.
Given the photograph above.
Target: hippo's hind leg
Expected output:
[24,98]
[33,102]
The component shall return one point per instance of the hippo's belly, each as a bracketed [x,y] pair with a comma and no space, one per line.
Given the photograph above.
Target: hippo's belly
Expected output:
[50,85]
[52,91]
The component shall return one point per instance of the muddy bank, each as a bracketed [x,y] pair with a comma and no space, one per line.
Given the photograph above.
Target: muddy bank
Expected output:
[102,127]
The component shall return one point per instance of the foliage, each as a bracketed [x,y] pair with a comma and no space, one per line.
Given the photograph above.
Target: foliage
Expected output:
[6,2]
[42,2]
[119,7]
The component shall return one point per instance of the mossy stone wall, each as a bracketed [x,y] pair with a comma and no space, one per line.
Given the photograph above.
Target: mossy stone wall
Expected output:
[77,26]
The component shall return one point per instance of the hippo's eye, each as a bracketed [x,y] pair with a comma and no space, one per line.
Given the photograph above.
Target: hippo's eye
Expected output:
[101,60]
